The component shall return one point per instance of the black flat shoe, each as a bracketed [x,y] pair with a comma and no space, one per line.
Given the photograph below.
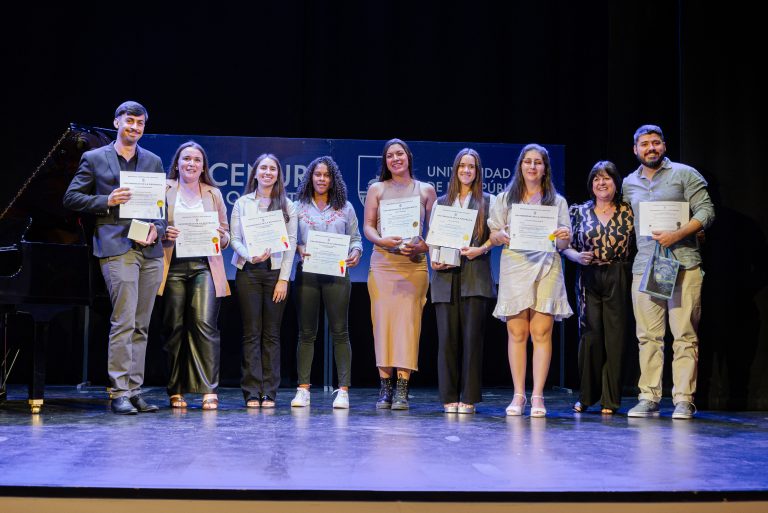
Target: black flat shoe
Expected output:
[122,406]
[143,406]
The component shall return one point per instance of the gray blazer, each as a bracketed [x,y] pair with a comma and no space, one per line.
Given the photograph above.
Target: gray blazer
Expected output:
[98,175]
[476,278]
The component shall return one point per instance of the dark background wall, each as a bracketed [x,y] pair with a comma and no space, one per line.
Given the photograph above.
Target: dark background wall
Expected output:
[583,74]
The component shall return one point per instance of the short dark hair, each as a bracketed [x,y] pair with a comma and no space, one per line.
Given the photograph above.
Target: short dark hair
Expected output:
[609,168]
[131,108]
[648,129]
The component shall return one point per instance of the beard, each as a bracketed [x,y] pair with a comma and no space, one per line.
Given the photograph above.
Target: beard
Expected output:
[652,161]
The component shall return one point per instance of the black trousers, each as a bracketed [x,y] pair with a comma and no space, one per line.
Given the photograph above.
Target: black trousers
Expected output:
[333,292]
[460,334]
[603,299]
[192,338]
[261,330]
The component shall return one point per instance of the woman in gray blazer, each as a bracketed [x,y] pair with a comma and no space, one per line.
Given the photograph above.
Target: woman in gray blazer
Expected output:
[461,294]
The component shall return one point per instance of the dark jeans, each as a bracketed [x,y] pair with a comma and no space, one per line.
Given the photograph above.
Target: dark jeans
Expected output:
[261,330]
[334,292]
[603,295]
[192,337]
[460,334]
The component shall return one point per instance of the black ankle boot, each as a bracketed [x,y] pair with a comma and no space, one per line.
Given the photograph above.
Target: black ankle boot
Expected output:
[400,401]
[385,394]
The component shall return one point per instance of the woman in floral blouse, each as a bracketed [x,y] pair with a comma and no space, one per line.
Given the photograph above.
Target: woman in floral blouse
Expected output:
[602,244]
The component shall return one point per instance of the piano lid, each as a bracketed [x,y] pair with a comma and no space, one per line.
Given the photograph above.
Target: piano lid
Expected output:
[36,212]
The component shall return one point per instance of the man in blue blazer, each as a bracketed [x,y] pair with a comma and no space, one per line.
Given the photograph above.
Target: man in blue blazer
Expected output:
[132,270]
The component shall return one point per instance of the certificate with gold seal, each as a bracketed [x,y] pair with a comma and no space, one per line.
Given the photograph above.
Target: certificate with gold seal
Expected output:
[147,195]
[265,230]
[451,227]
[327,253]
[198,234]
[531,227]
[400,217]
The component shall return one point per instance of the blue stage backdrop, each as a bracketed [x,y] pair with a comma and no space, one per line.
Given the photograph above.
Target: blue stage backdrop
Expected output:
[230,160]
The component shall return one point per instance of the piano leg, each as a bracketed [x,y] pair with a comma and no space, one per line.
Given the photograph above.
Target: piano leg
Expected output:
[37,383]
[42,314]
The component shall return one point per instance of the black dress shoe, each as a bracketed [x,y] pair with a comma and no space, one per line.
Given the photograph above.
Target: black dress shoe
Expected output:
[122,406]
[142,405]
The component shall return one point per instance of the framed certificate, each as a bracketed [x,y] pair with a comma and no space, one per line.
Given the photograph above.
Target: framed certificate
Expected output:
[399,217]
[265,230]
[531,227]
[147,195]
[451,227]
[328,253]
[198,234]
[661,216]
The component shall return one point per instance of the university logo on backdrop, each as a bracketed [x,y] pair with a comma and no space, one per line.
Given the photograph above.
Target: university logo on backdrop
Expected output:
[368,168]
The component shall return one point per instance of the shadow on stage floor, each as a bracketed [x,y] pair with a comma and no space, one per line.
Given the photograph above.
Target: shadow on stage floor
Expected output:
[76,450]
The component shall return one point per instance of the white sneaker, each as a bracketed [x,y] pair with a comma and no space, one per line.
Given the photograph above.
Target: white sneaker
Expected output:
[302,398]
[342,399]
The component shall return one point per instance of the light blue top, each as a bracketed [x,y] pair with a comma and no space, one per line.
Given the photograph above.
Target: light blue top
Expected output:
[328,220]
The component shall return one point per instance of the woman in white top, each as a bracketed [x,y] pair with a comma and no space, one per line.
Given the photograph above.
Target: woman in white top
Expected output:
[532,291]
[262,282]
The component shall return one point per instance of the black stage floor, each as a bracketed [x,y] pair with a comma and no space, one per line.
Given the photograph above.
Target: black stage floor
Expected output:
[77,448]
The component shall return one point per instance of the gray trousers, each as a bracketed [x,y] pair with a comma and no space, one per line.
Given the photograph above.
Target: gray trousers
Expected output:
[132,281]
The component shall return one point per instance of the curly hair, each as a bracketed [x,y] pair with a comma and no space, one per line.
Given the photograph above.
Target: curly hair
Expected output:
[337,191]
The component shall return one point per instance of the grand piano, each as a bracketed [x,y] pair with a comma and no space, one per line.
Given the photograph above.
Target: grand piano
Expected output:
[45,259]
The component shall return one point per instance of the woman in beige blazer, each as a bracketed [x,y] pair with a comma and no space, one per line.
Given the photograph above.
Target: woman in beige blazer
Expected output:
[193,285]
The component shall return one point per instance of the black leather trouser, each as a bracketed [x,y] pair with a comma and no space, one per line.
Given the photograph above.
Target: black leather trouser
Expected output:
[192,338]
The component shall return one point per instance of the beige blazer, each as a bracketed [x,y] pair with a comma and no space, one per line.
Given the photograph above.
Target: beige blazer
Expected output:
[212,202]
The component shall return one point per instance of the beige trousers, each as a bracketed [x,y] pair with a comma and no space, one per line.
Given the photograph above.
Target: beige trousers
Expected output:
[684,312]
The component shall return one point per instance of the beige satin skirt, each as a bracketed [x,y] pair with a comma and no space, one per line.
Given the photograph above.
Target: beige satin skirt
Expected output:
[398,290]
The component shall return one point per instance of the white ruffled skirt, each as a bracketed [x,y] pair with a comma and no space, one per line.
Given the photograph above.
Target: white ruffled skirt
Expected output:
[531,279]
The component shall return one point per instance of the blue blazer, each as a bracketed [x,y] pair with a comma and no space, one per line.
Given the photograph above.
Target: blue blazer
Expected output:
[98,175]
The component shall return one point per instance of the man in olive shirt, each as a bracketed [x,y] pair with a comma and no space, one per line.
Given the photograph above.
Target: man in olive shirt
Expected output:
[659,179]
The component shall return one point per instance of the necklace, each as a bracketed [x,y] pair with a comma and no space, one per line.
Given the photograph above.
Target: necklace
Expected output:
[605,209]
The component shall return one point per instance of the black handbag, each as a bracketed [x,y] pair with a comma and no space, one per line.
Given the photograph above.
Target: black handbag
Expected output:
[660,274]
